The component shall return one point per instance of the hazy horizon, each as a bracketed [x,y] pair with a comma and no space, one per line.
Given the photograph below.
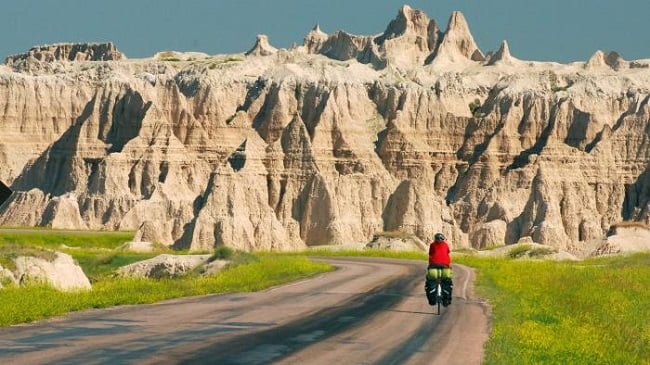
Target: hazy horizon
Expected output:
[553,30]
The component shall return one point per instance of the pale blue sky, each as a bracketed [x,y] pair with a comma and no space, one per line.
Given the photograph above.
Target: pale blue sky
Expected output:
[556,30]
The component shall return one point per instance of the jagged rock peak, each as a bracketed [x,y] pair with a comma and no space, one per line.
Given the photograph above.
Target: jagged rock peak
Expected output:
[502,56]
[70,52]
[408,20]
[314,39]
[458,43]
[606,59]
[262,47]
[316,29]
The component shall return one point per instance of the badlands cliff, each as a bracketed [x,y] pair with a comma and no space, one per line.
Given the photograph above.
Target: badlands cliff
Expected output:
[415,129]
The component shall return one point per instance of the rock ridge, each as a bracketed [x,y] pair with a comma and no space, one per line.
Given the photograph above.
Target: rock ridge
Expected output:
[411,130]
[70,52]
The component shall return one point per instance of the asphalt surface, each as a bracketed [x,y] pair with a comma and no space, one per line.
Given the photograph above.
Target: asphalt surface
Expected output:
[369,311]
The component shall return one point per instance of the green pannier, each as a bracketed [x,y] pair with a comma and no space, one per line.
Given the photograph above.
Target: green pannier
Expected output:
[435,273]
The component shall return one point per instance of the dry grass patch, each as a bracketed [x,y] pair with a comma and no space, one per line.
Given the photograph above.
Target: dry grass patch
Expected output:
[630,224]
[394,234]
[11,251]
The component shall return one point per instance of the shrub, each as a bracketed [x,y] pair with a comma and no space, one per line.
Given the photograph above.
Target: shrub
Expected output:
[222,253]
[475,108]
[519,251]
[542,251]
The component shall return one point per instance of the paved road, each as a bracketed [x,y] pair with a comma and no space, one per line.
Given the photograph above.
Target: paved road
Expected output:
[369,311]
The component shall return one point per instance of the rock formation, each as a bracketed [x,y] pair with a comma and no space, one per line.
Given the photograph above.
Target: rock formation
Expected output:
[163,266]
[70,52]
[628,238]
[411,39]
[397,242]
[330,143]
[5,193]
[611,60]
[457,44]
[503,57]
[62,273]
[314,40]
[262,47]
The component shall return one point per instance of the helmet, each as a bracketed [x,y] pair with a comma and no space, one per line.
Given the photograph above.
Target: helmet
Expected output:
[439,237]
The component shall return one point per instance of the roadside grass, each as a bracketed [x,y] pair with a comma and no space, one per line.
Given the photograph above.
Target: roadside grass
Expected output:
[98,264]
[409,255]
[95,253]
[591,312]
[32,303]
[54,240]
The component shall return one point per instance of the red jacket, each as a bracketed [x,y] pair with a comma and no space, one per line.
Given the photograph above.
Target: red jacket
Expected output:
[439,253]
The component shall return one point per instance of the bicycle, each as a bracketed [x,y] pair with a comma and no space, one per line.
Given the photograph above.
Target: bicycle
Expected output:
[437,293]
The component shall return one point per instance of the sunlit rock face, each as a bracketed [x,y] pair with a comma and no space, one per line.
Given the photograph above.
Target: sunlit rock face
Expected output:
[414,129]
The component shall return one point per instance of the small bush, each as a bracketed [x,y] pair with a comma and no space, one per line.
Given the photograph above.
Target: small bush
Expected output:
[171,59]
[542,251]
[557,89]
[222,253]
[519,251]
[475,108]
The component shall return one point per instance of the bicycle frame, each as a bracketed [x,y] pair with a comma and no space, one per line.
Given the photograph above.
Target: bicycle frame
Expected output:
[438,292]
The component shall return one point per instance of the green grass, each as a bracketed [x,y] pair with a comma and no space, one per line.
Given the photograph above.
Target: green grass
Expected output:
[31,303]
[409,255]
[72,239]
[10,251]
[591,312]
[519,251]
[100,264]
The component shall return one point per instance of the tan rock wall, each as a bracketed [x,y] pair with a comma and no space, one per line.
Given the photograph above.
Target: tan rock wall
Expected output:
[296,149]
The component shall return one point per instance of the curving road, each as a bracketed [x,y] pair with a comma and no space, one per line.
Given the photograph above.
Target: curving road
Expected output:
[369,311]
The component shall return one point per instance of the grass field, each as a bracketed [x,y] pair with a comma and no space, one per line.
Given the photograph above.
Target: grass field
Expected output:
[591,312]
[54,240]
[94,254]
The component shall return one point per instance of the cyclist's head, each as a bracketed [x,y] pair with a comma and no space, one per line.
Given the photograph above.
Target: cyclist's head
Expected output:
[439,237]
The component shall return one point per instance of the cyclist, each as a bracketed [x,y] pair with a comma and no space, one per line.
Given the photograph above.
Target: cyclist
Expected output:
[439,266]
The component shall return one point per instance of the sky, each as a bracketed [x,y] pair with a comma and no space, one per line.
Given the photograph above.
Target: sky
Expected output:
[541,30]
